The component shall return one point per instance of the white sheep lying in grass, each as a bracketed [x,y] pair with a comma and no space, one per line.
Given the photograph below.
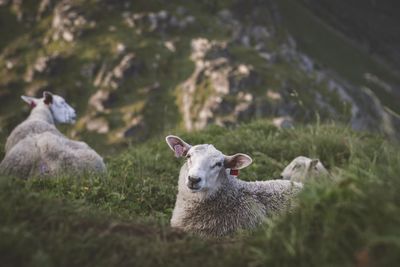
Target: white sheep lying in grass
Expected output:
[37,148]
[45,113]
[302,168]
[212,203]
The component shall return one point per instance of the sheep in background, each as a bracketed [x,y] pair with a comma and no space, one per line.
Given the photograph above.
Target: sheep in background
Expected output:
[45,113]
[302,168]
[36,147]
[212,203]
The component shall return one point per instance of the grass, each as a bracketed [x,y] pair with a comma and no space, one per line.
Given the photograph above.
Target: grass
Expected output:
[123,219]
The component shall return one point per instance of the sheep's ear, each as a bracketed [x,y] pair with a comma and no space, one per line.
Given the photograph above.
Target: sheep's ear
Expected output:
[31,101]
[177,145]
[237,161]
[48,97]
[313,163]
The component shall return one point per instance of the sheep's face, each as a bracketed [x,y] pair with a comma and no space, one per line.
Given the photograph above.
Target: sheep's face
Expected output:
[61,111]
[206,166]
[301,168]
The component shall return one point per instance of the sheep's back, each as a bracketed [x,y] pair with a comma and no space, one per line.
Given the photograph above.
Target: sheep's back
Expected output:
[29,128]
[62,155]
[276,195]
[22,160]
[50,154]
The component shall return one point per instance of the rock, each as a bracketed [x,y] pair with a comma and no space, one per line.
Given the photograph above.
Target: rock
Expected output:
[123,66]
[121,48]
[43,6]
[47,65]
[68,23]
[216,78]
[274,95]
[244,69]
[170,46]
[99,125]
[283,122]
[244,102]
[10,64]
[268,56]
[110,79]
[107,80]
[160,21]
[41,64]
[100,100]
[136,128]
[67,36]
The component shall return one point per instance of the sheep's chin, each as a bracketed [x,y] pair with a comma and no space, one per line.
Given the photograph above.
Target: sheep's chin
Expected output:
[65,121]
[195,189]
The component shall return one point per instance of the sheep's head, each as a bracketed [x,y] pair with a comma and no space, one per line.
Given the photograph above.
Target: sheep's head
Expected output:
[61,111]
[302,168]
[205,164]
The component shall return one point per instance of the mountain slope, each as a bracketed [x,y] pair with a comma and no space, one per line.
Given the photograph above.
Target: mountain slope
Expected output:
[136,70]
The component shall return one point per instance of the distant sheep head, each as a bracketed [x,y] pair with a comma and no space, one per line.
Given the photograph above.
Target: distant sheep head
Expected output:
[205,164]
[61,111]
[302,168]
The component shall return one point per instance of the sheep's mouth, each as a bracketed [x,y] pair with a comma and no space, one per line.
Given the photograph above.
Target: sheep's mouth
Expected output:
[72,120]
[194,187]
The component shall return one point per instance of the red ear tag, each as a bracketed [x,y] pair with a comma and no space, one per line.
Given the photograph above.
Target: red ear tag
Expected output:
[32,105]
[234,172]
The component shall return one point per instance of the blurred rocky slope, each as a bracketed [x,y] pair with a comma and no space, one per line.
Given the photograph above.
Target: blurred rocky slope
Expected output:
[374,25]
[135,69]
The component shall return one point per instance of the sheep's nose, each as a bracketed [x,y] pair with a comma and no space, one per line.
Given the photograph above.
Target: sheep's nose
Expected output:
[194,179]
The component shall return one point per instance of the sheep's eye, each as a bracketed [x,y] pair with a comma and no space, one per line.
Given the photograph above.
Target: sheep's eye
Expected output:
[218,164]
[188,156]
[296,167]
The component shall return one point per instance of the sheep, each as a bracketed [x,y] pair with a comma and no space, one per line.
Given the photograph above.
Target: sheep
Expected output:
[212,203]
[303,168]
[45,113]
[37,148]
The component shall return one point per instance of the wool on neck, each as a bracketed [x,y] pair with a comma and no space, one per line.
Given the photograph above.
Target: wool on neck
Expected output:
[43,113]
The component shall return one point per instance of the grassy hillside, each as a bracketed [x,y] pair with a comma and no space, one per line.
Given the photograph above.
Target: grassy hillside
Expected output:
[122,219]
[137,70]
